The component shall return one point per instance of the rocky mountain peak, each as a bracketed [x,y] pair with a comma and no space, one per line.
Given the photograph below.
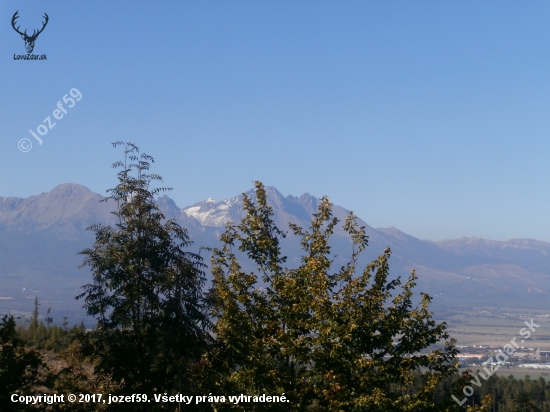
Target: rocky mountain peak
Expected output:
[52,226]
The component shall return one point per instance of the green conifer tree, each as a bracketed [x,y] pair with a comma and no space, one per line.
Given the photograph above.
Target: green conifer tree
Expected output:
[146,292]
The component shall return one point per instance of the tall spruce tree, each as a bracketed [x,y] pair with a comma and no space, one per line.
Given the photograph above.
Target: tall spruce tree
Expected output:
[146,292]
[330,341]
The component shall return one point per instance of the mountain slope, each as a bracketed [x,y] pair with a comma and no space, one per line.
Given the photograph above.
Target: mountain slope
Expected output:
[40,237]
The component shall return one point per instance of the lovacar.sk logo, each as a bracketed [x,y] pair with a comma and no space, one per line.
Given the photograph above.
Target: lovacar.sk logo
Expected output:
[29,39]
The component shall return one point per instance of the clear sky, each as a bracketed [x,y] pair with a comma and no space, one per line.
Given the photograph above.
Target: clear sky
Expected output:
[429,116]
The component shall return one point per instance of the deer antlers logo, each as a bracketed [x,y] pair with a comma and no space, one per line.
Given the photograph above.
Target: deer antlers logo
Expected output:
[29,40]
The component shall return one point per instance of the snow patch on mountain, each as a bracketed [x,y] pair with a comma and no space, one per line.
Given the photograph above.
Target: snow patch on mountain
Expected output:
[286,209]
[212,213]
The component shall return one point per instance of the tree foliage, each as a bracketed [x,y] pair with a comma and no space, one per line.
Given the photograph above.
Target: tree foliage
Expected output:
[330,340]
[147,290]
[19,368]
[51,337]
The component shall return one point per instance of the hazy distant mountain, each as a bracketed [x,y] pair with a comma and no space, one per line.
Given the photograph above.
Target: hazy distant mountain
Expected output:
[40,237]
[531,254]
[67,210]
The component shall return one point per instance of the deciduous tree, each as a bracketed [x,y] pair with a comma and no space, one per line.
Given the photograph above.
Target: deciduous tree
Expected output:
[330,340]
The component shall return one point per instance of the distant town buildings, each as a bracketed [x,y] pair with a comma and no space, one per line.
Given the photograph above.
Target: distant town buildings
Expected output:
[486,355]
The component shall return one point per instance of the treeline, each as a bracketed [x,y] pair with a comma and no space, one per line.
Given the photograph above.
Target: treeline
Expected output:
[45,335]
[318,337]
[508,393]
[513,395]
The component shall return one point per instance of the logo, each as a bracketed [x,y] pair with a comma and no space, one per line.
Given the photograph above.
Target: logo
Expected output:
[29,40]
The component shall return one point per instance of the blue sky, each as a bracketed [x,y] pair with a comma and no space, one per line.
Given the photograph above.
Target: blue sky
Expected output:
[429,116]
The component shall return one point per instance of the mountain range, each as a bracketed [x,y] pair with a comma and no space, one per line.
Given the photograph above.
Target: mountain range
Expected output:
[40,237]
